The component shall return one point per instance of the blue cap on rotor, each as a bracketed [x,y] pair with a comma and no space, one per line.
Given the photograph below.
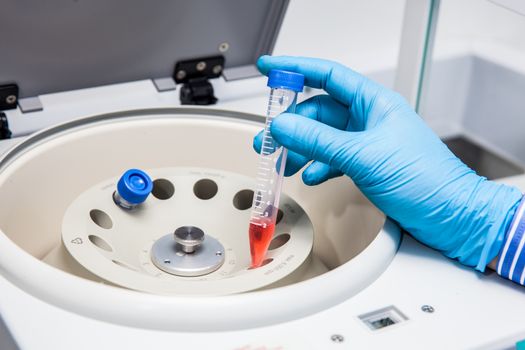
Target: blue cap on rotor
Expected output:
[285,80]
[134,186]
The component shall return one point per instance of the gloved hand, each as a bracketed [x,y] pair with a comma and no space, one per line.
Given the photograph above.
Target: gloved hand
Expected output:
[371,134]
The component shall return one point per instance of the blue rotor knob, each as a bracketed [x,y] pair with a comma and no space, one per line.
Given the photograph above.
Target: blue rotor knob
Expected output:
[134,186]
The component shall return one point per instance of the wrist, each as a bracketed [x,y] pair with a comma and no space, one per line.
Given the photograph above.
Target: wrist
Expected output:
[511,260]
[501,207]
[482,214]
[494,263]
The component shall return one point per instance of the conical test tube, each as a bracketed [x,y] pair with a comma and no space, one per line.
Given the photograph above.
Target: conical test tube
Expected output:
[272,160]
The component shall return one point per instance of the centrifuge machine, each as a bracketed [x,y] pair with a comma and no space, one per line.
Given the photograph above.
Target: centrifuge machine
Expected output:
[175,80]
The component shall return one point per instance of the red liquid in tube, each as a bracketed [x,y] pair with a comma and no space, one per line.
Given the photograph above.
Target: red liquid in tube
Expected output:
[261,233]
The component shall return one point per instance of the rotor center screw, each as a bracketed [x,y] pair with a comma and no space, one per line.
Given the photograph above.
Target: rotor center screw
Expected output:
[189,238]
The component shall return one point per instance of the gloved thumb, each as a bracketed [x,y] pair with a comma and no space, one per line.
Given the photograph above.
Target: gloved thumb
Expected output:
[312,139]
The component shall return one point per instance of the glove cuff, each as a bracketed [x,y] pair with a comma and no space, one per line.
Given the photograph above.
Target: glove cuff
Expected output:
[511,263]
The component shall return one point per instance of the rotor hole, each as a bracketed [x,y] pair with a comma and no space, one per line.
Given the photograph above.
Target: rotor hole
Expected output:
[205,189]
[279,241]
[167,261]
[280,216]
[101,219]
[266,261]
[162,189]
[100,243]
[243,199]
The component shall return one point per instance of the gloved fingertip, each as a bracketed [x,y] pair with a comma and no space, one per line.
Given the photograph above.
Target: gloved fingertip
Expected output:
[262,64]
[283,120]
[319,172]
[294,163]
[288,171]
[309,179]
[257,141]
[282,128]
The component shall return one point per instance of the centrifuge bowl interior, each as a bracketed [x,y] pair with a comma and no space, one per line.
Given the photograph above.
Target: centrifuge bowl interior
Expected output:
[40,178]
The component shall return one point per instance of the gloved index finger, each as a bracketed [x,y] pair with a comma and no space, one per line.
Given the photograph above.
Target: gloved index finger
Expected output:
[325,109]
[340,82]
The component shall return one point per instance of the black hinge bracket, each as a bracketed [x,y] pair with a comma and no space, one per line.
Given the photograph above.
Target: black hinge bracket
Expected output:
[8,96]
[5,133]
[194,74]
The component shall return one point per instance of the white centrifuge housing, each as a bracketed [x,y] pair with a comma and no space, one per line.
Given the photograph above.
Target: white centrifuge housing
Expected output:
[76,230]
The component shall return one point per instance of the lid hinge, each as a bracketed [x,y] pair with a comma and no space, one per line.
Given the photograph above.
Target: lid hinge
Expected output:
[198,91]
[5,133]
[194,74]
[8,96]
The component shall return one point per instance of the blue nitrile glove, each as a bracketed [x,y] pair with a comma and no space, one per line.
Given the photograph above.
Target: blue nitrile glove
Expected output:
[371,134]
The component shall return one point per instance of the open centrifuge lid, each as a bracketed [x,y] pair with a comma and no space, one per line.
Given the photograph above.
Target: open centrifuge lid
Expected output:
[72,44]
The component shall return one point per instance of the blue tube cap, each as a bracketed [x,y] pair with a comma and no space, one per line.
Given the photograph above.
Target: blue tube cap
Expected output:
[286,80]
[134,186]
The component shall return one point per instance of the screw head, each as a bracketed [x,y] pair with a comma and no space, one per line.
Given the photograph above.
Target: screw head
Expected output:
[201,66]
[10,99]
[427,308]
[181,74]
[337,338]
[217,69]
[223,47]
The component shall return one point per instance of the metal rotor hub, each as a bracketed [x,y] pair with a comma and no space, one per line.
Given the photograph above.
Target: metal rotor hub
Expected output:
[187,252]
